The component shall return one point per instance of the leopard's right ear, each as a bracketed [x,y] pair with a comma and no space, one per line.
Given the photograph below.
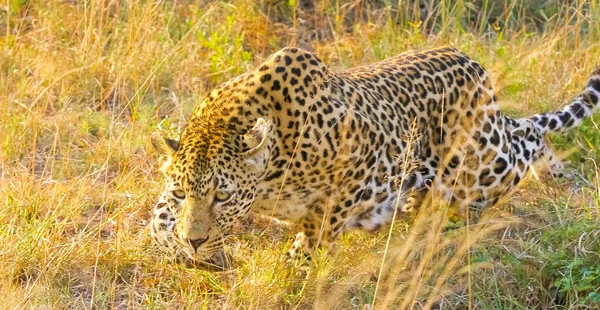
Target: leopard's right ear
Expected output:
[165,148]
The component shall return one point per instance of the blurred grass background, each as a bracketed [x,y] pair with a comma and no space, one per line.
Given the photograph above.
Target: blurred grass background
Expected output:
[84,83]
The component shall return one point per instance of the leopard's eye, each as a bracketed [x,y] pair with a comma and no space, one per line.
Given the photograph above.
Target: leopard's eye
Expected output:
[179,194]
[222,196]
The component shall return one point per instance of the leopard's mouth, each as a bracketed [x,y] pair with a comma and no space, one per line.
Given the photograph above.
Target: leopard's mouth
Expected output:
[219,260]
[213,258]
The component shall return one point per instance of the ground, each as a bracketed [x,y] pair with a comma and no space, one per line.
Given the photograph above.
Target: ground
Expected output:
[84,84]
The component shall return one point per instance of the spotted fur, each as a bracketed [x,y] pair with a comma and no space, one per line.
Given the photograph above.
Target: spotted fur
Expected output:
[338,150]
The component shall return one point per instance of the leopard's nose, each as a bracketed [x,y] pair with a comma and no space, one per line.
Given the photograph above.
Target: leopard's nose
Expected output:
[196,243]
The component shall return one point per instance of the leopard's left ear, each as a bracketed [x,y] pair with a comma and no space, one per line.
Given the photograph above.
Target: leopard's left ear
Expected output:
[165,148]
[254,144]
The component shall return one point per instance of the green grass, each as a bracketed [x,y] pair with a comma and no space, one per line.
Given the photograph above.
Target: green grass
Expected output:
[83,84]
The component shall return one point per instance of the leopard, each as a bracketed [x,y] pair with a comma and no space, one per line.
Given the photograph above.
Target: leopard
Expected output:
[337,150]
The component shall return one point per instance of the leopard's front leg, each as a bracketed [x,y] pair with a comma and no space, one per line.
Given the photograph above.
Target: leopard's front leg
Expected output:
[416,191]
[319,228]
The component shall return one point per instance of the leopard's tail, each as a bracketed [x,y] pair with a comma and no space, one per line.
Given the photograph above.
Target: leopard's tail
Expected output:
[575,112]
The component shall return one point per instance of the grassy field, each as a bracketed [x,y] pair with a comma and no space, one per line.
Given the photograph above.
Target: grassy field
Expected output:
[84,83]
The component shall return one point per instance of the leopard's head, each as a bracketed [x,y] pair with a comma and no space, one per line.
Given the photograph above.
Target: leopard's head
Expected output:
[211,178]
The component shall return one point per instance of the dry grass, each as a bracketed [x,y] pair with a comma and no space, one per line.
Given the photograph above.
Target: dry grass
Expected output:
[83,84]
